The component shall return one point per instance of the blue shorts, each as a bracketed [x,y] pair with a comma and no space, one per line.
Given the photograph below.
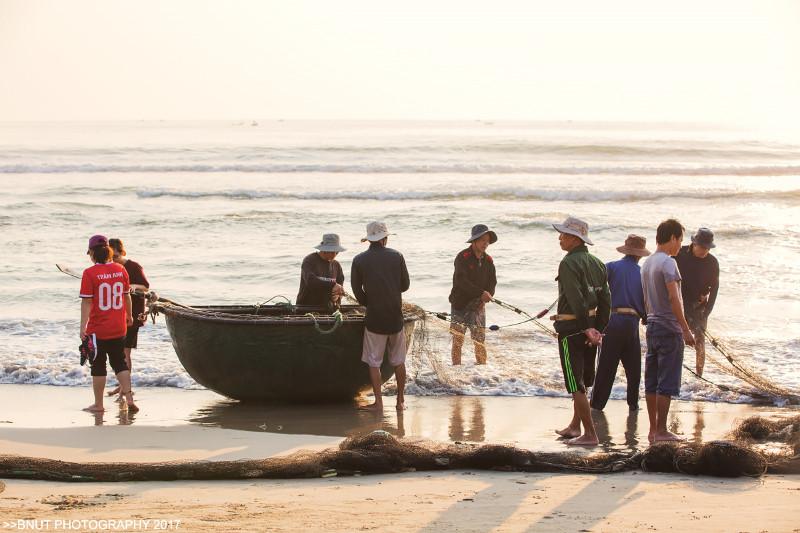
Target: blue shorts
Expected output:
[664,361]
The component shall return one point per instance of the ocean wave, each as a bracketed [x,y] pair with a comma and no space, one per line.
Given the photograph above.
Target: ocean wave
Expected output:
[513,193]
[456,167]
[658,149]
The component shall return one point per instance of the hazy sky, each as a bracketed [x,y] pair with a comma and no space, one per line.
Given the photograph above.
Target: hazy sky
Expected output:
[434,59]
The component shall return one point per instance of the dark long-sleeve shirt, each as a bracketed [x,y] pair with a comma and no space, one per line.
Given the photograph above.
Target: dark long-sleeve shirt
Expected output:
[317,278]
[582,285]
[625,283]
[136,277]
[471,277]
[700,277]
[379,277]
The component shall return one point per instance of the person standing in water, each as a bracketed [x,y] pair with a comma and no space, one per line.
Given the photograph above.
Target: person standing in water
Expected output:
[699,287]
[584,306]
[379,278]
[105,316]
[140,285]
[474,283]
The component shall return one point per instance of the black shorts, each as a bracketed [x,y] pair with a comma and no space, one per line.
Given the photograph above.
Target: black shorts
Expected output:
[577,362]
[115,350]
[132,337]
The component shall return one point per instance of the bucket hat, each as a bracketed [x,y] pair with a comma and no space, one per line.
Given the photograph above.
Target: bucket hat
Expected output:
[634,245]
[376,231]
[704,237]
[479,230]
[575,226]
[330,243]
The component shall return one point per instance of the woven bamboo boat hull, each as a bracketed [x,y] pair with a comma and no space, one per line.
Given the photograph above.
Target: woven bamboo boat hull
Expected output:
[261,354]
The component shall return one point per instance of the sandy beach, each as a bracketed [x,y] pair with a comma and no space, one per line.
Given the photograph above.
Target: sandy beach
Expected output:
[178,424]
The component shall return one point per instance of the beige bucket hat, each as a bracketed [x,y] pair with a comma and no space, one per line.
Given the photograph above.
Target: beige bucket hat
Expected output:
[376,231]
[575,226]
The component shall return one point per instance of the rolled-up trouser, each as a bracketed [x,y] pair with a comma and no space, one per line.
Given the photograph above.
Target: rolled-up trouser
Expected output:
[475,320]
[664,360]
[698,321]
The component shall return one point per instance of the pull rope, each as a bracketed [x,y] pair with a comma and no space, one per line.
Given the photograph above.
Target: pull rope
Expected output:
[530,318]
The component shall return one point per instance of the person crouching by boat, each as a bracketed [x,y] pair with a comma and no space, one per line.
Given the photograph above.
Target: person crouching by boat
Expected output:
[105,317]
[139,286]
[621,341]
[321,275]
[699,287]
[584,306]
[378,278]
[474,282]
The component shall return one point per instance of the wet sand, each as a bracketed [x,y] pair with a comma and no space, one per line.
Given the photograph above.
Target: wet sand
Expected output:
[199,424]
[174,424]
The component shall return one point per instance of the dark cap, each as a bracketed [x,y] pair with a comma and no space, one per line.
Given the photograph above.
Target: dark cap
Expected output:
[98,240]
[705,238]
[480,230]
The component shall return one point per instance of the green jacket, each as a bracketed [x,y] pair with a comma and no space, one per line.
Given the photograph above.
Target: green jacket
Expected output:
[582,285]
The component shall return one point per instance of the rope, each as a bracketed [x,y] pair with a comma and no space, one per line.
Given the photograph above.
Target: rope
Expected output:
[286,302]
[546,329]
[337,316]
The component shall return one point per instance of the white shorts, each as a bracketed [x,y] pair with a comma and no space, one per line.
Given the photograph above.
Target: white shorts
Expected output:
[376,345]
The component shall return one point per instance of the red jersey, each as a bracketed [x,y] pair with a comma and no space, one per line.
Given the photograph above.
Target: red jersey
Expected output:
[106,284]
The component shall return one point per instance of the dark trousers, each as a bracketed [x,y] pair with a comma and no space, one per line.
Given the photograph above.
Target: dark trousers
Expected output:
[621,343]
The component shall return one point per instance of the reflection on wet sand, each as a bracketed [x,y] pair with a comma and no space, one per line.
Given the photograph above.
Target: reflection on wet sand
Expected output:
[528,422]
[338,420]
[476,432]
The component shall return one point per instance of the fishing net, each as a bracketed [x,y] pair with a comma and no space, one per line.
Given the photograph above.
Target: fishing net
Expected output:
[743,372]
[379,452]
[430,354]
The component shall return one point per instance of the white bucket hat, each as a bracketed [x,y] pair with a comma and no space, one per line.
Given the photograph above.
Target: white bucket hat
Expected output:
[376,231]
[330,243]
[575,226]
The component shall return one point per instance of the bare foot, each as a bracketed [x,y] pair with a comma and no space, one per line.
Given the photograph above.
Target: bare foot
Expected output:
[569,433]
[583,440]
[401,406]
[375,407]
[113,392]
[94,409]
[666,436]
[651,437]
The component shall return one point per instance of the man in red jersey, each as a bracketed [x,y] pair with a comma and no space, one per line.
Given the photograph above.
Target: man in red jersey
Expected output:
[105,317]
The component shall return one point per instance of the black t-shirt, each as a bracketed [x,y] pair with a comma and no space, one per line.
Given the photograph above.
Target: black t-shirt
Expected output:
[137,277]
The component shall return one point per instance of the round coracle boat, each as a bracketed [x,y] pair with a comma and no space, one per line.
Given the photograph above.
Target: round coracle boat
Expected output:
[274,352]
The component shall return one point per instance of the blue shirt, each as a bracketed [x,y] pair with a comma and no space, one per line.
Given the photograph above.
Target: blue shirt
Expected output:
[625,282]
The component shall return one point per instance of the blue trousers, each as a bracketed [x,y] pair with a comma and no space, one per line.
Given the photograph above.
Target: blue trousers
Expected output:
[620,344]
